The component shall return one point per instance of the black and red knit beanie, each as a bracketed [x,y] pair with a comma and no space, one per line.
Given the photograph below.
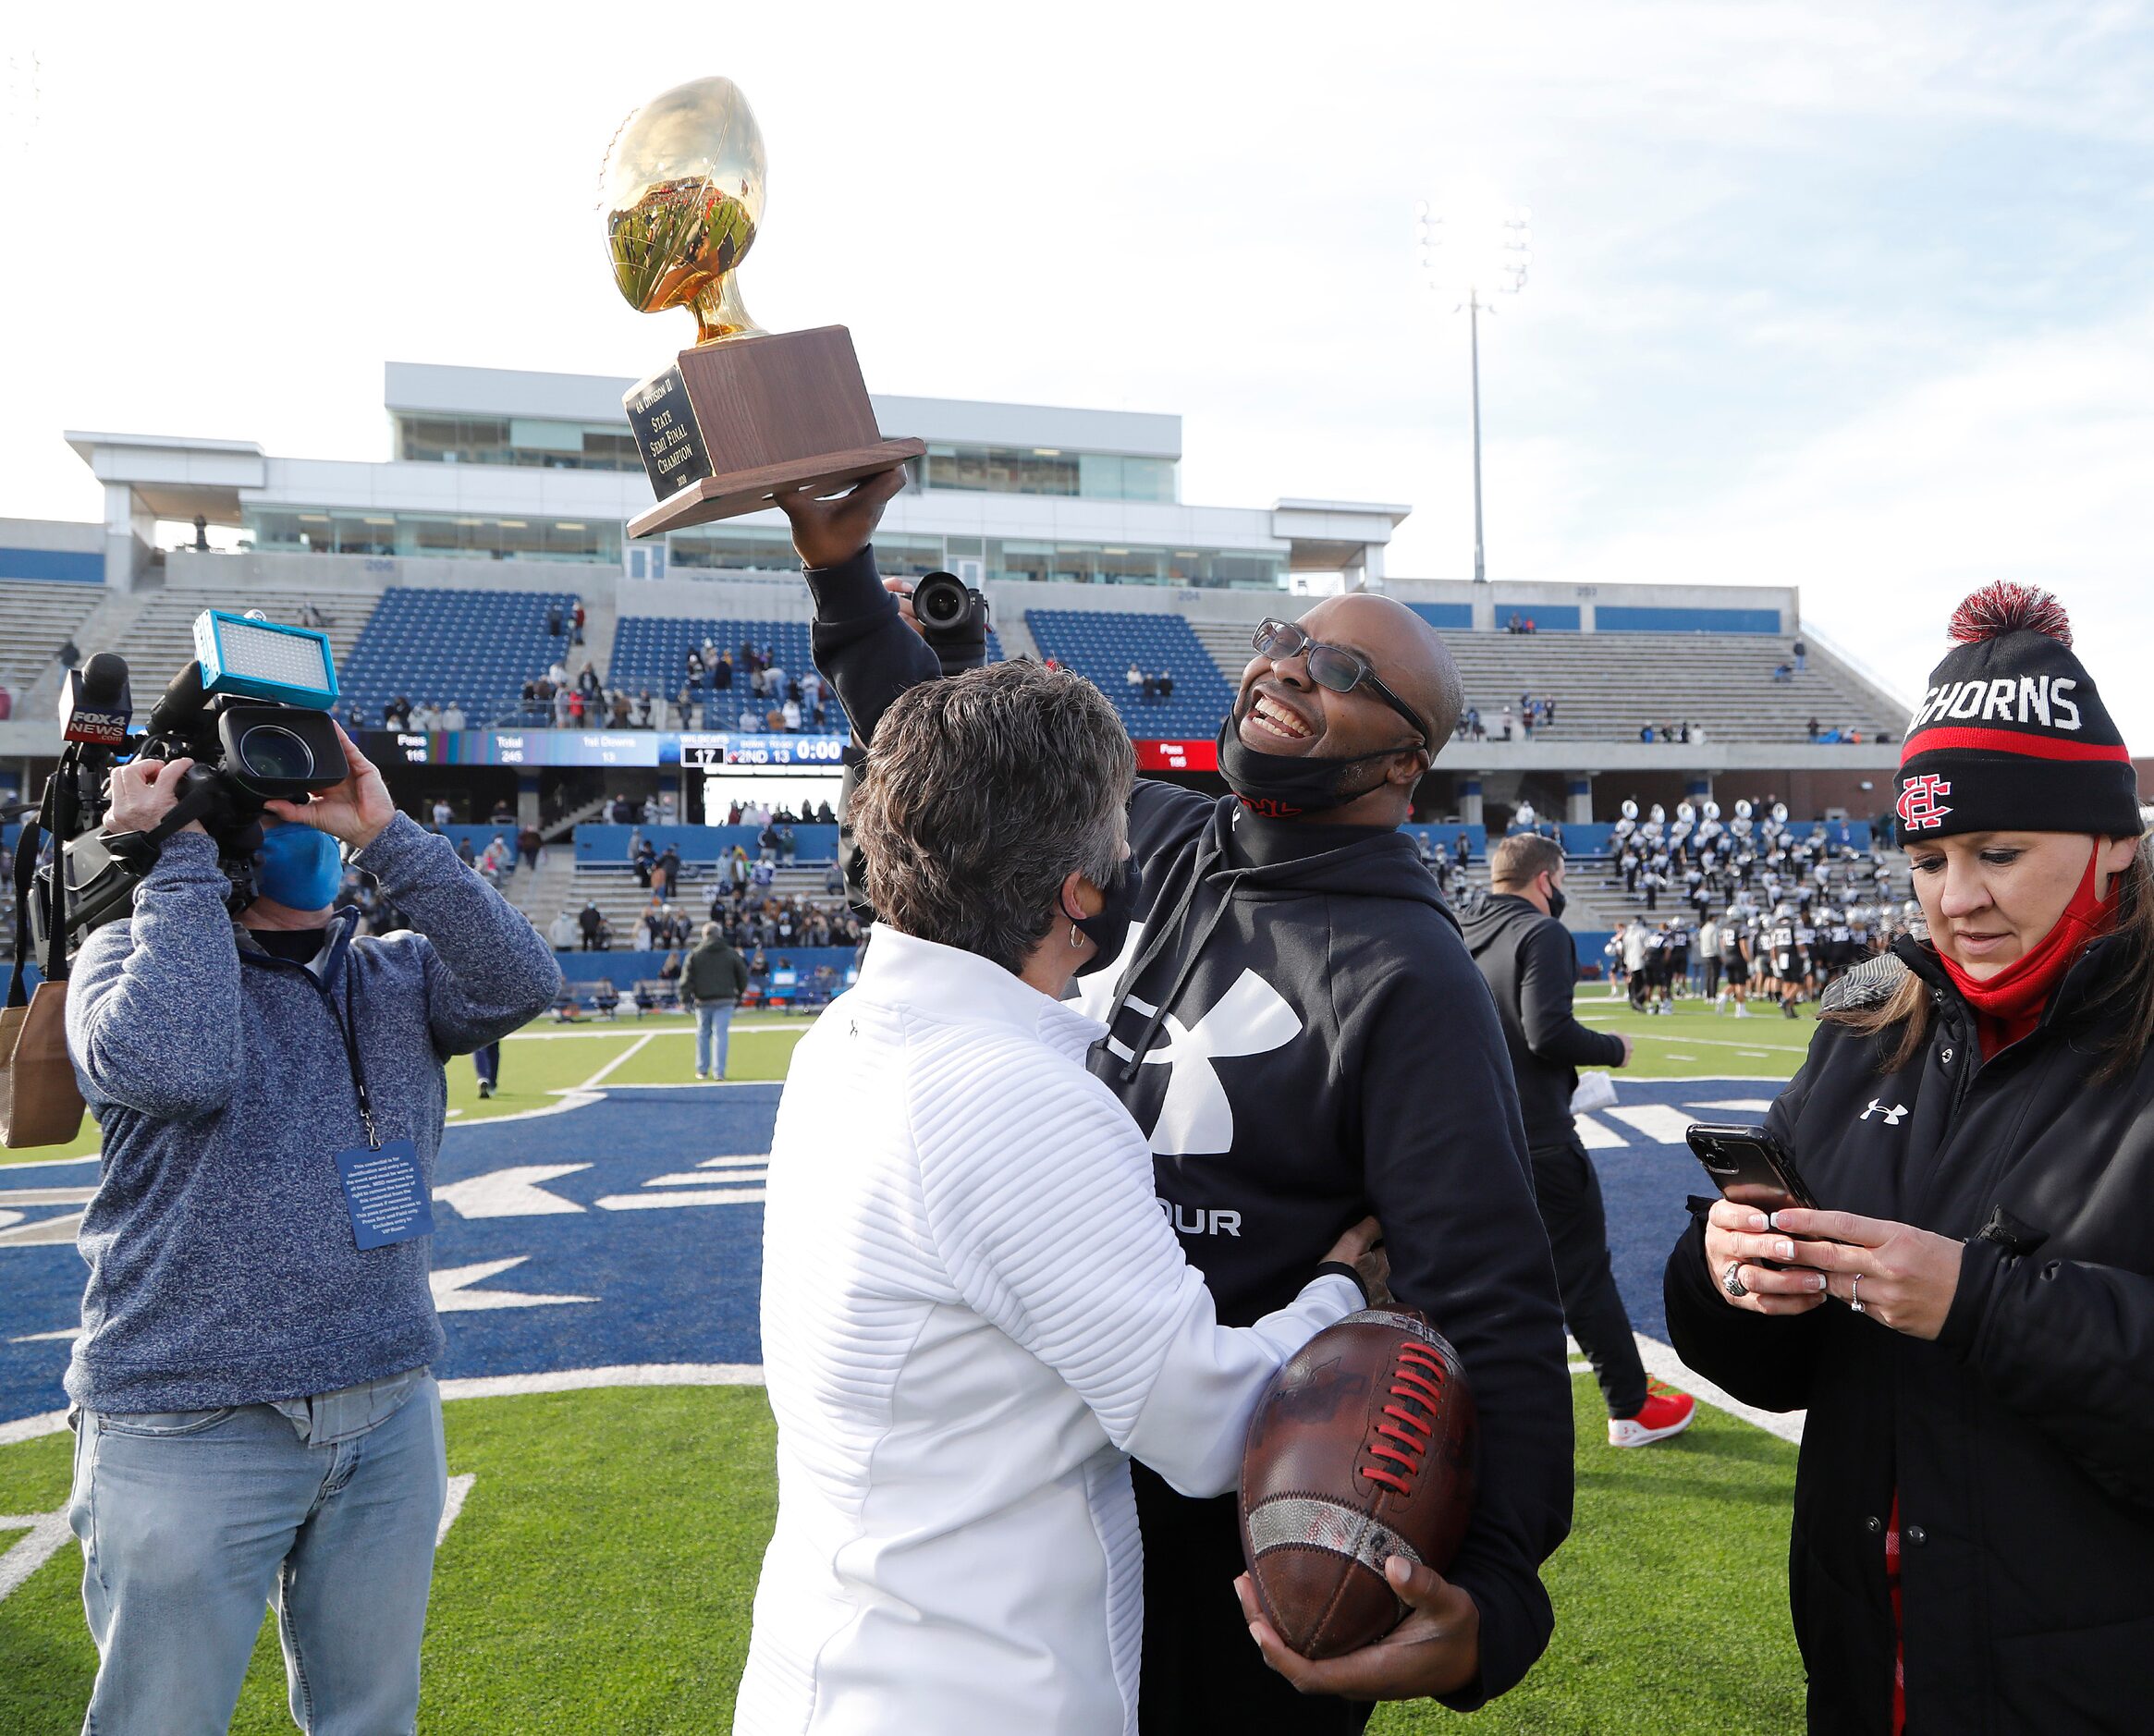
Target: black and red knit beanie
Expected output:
[2011,735]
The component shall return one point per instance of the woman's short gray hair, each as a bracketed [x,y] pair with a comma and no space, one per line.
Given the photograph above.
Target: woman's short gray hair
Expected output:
[981,794]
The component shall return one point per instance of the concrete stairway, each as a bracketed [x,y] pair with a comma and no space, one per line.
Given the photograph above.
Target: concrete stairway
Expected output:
[1016,636]
[541,893]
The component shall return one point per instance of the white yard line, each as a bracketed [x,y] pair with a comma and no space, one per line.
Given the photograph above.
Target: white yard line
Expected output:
[458,1488]
[47,1532]
[1663,1363]
[598,1029]
[632,1048]
[585,1379]
[32,1427]
[1720,1042]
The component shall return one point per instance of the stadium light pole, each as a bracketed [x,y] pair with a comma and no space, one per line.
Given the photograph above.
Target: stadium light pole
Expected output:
[1480,248]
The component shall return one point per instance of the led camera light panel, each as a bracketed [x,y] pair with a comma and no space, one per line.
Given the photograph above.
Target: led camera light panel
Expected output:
[289,666]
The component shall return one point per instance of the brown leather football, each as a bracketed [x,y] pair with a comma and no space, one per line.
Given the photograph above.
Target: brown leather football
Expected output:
[1362,1448]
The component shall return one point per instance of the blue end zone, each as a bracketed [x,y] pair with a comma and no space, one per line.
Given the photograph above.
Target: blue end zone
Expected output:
[671,1274]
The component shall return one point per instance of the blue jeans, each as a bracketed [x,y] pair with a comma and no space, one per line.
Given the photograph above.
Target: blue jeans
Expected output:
[714,1029]
[192,1521]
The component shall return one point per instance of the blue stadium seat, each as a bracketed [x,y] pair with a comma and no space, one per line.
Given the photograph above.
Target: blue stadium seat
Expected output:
[476,648]
[1101,647]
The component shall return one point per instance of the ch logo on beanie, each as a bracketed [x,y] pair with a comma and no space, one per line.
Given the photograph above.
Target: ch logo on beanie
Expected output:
[1918,806]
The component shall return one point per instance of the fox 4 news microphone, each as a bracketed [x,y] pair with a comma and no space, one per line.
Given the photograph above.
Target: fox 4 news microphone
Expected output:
[96,704]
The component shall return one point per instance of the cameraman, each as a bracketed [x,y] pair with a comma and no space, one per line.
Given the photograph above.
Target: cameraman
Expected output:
[254,1413]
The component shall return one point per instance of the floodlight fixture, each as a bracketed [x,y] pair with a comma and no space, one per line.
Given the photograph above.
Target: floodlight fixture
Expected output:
[1474,247]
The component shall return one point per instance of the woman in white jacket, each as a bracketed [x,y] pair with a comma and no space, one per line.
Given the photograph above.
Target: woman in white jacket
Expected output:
[974,1311]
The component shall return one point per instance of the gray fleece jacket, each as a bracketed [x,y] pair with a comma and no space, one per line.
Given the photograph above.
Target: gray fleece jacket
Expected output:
[223,1268]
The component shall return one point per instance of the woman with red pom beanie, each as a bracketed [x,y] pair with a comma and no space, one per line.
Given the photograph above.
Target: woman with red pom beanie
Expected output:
[1968,1318]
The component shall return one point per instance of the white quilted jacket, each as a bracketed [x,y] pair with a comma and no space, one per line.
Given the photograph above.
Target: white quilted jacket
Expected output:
[973,1308]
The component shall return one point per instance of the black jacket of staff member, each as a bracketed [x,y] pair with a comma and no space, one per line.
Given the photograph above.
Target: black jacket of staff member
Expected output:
[1994,1137]
[1531,967]
[1316,1044]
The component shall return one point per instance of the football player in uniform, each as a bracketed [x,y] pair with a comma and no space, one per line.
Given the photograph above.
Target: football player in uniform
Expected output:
[1786,970]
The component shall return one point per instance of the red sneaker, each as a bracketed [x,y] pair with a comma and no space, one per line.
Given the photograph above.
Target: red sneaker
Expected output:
[1667,1413]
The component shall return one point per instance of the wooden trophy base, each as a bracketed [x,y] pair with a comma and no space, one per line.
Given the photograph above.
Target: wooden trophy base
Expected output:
[732,424]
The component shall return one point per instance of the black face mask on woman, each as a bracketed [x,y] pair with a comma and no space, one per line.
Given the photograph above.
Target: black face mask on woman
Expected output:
[1280,786]
[1110,928]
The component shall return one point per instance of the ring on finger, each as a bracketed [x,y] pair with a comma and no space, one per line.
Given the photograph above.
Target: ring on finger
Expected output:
[1855,1298]
[1732,1280]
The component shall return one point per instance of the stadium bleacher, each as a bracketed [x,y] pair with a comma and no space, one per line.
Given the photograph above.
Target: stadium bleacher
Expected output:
[1608,685]
[1101,646]
[41,618]
[161,636]
[476,648]
[650,650]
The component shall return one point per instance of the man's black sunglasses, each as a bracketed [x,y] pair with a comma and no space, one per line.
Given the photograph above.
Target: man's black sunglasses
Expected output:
[1333,667]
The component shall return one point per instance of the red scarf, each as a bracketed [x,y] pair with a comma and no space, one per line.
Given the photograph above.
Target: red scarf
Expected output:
[2009,1004]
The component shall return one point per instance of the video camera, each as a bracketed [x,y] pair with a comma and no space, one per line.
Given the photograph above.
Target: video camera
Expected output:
[250,709]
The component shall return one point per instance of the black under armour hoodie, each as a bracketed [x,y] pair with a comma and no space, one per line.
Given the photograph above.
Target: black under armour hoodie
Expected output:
[1298,1025]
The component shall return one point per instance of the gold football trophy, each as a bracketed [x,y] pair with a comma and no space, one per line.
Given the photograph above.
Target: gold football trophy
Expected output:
[744,413]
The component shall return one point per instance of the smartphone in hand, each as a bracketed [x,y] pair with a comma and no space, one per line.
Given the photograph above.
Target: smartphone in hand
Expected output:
[1750,1167]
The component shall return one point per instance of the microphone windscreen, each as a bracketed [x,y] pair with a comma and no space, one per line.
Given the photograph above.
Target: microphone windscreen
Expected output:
[104,678]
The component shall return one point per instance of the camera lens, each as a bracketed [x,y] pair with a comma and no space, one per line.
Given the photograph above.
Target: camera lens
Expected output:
[268,751]
[941,601]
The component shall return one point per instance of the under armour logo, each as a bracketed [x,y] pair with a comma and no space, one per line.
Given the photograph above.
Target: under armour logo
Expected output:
[1252,1018]
[1892,1116]
[1919,808]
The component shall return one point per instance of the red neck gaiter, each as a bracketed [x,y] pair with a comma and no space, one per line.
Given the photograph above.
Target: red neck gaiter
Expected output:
[2009,1004]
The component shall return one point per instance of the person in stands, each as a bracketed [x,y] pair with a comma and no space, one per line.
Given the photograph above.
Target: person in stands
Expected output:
[1968,1318]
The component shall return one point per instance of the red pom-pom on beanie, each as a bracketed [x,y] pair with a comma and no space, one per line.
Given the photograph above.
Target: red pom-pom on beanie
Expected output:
[2008,607]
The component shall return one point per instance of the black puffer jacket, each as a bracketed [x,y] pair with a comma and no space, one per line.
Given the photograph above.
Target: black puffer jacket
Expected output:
[2021,1442]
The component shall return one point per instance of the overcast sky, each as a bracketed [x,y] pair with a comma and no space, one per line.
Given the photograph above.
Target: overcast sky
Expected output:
[1851,295]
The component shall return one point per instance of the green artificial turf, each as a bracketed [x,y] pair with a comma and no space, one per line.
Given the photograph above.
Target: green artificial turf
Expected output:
[602,1574]
[599,1579]
[1693,1041]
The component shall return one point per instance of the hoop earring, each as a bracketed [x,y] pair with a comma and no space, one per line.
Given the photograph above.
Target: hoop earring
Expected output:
[1076,939]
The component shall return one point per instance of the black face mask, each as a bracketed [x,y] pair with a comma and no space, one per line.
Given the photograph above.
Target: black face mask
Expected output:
[1284,785]
[1556,902]
[1111,929]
